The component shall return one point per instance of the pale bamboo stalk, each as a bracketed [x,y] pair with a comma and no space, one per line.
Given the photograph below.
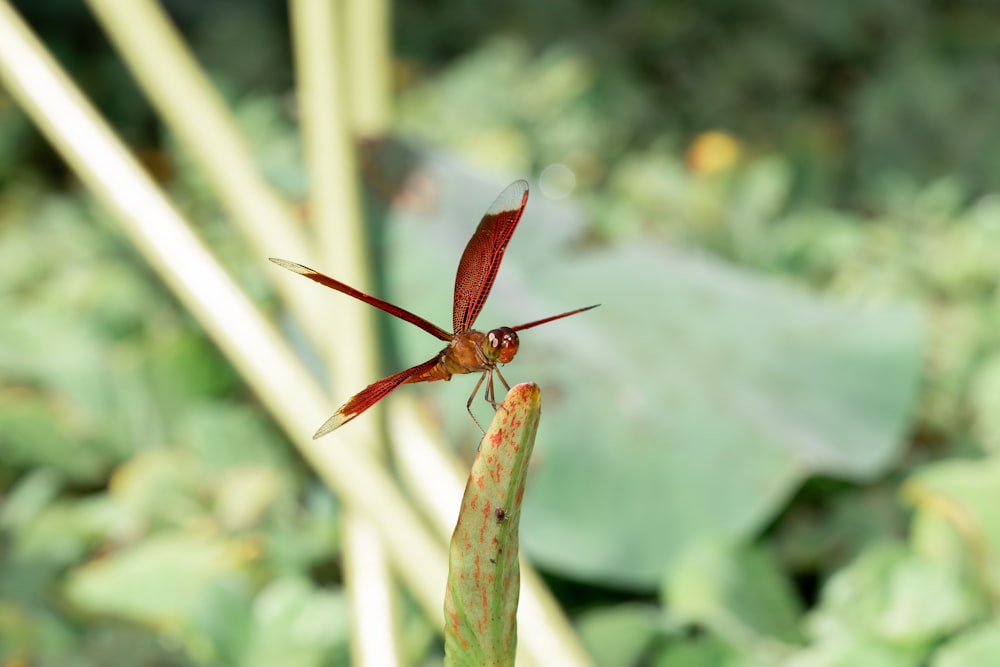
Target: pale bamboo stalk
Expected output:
[106,168]
[197,115]
[321,67]
[369,43]
[333,186]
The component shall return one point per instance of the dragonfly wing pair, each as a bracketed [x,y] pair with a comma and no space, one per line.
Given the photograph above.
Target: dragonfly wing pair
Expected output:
[477,271]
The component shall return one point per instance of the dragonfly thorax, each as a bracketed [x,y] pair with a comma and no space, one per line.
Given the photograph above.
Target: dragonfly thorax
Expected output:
[500,345]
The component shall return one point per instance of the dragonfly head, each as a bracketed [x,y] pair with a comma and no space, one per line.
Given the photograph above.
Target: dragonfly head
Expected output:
[501,345]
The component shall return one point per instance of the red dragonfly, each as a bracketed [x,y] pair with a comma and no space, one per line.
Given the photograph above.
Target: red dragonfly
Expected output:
[468,351]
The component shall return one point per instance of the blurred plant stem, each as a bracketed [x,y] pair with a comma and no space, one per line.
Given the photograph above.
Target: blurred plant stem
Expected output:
[324,88]
[198,117]
[194,112]
[368,38]
[190,271]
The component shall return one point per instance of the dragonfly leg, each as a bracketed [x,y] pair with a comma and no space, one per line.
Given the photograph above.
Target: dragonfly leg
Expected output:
[490,395]
[475,390]
[500,375]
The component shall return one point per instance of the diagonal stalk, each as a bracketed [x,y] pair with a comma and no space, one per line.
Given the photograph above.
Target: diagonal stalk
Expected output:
[37,83]
[289,392]
[322,69]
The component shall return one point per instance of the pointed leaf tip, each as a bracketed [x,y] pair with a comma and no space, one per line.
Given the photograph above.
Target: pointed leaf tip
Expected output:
[483,575]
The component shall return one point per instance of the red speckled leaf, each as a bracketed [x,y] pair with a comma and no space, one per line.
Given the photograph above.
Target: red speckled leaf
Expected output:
[483,575]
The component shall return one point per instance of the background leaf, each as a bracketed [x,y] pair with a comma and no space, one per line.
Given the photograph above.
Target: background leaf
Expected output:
[699,371]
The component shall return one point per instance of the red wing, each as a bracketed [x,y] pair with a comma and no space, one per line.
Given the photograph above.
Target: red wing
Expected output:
[369,396]
[401,313]
[522,327]
[481,260]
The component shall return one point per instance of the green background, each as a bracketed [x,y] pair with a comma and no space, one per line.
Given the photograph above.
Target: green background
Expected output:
[775,442]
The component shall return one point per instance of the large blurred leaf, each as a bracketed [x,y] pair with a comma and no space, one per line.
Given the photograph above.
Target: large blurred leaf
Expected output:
[841,652]
[740,594]
[977,646]
[196,590]
[162,580]
[957,522]
[620,634]
[294,625]
[699,651]
[892,597]
[687,407]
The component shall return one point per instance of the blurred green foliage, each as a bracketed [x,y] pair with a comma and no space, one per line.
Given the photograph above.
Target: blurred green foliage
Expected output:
[151,510]
[850,92]
[140,482]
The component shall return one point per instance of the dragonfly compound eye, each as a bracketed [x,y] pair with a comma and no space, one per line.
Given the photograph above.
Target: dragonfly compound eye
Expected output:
[504,343]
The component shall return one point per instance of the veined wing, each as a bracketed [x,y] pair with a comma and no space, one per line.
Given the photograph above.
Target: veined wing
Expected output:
[481,260]
[369,396]
[332,283]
